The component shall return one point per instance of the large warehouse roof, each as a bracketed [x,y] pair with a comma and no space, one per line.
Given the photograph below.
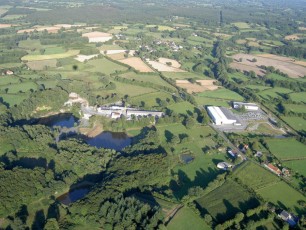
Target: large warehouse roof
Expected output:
[221,115]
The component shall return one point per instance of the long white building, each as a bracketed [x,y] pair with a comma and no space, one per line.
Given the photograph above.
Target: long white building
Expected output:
[221,116]
[247,106]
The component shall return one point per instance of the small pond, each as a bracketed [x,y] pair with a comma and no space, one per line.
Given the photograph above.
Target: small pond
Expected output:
[73,195]
[63,120]
[186,158]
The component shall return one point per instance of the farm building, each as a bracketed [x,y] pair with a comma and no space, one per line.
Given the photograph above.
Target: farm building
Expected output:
[224,165]
[247,106]
[97,36]
[221,116]
[288,217]
[273,169]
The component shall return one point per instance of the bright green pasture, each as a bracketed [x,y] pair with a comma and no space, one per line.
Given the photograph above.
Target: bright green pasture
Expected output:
[224,202]
[275,92]
[131,90]
[255,176]
[296,108]
[202,101]
[242,25]
[69,53]
[152,78]
[185,218]
[5,80]
[24,87]
[286,148]
[150,99]
[30,44]
[104,66]
[297,166]
[298,123]
[283,195]
[259,87]
[14,99]
[298,97]
[222,94]
[182,107]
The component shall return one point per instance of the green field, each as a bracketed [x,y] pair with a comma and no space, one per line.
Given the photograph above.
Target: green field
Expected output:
[224,202]
[298,123]
[69,53]
[41,65]
[182,107]
[5,80]
[185,218]
[222,94]
[16,88]
[183,75]
[285,149]
[275,92]
[104,66]
[211,101]
[242,25]
[259,87]
[48,83]
[131,90]
[298,97]
[30,44]
[152,78]
[297,166]
[283,195]
[238,76]
[255,176]
[151,99]
[14,99]
[296,108]
[161,27]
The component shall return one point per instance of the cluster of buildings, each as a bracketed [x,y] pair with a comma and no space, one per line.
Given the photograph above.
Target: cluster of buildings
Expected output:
[171,44]
[223,116]
[116,112]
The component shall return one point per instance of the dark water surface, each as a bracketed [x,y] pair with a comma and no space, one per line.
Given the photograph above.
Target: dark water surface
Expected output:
[63,120]
[110,140]
[73,195]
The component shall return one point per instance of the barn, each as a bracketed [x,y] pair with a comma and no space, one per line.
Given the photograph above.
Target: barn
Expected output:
[221,116]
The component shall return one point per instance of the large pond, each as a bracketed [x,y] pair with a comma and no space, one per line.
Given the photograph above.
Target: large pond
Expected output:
[73,195]
[109,140]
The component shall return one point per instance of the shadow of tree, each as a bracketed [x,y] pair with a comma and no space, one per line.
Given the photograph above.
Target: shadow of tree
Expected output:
[39,220]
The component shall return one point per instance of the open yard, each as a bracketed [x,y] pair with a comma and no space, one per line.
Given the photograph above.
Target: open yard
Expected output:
[185,218]
[224,202]
[287,66]
[286,149]
[222,94]
[137,64]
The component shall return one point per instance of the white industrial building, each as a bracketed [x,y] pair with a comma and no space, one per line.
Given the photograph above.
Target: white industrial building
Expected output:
[247,106]
[221,116]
